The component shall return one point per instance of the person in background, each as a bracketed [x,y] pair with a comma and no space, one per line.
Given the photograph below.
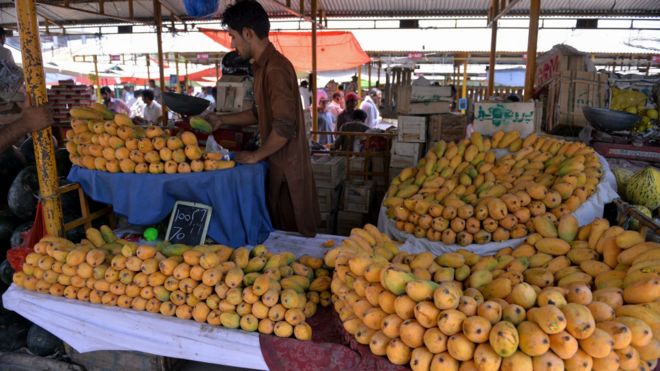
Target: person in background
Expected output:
[14,126]
[158,94]
[5,54]
[113,104]
[137,108]
[370,106]
[290,188]
[334,107]
[355,125]
[127,95]
[305,94]
[351,101]
[152,109]
[324,118]
[342,102]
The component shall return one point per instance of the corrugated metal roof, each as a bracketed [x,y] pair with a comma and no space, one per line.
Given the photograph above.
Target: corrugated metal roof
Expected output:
[143,9]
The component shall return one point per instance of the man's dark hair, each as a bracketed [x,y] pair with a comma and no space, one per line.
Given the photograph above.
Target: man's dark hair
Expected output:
[304,84]
[106,90]
[138,93]
[247,13]
[148,93]
[336,95]
[152,81]
[359,115]
[2,32]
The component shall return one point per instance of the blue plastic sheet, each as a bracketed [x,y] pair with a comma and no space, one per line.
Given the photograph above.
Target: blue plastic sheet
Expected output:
[238,197]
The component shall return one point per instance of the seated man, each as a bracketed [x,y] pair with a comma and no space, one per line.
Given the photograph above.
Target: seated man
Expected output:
[152,110]
[356,125]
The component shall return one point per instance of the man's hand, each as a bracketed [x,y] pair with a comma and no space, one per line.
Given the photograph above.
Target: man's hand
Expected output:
[36,118]
[246,157]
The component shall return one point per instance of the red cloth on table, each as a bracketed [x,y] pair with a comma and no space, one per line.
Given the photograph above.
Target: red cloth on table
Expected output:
[331,348]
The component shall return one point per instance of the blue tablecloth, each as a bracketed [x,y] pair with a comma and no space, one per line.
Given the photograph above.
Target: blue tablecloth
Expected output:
[238,197]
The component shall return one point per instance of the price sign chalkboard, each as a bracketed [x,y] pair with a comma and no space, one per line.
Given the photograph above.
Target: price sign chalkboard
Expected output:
[189,223]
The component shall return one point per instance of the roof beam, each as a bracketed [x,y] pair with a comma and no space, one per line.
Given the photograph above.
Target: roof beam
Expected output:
[501,9]
[300,14]
[109,16]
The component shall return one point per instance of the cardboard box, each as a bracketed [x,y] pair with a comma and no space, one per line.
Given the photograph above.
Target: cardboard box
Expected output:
[358,195]
[234,94]
[329,171]
[552,63]
[422,94]
[412,129]
[492,117]
[449,127]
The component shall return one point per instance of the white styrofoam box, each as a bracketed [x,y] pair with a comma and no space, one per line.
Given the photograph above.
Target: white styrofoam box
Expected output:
[412,129]
[407,149]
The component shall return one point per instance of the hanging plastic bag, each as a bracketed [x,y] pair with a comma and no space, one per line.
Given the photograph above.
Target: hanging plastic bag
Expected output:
[214,147]
[201,8]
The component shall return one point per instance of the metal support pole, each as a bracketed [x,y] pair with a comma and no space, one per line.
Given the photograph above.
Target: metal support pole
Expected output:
[176,70]
[159,37]
[186,80]
[359,81]
[530,70]
[98,80]
[465,77]
[380,65]
[217,71]
[369,71]
[148,67]
[315,114]
[493,49]
[35,84]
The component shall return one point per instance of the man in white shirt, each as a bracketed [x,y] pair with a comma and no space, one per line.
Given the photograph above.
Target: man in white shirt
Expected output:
[334,107]
[152,109]
[370,106]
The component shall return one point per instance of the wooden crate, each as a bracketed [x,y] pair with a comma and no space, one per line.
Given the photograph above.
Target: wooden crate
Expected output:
[328,223]
[411,129]
[565,96]
[357,195]
[328,198]
[329,171]
[347,220]
[449,127]
[405,154]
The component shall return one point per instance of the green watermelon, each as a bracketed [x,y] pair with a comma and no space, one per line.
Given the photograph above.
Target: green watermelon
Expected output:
[622,176]
[22,196]
[643,188]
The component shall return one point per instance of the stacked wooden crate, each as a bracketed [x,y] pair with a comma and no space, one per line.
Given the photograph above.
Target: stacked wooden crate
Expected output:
[65,95]
[329,173]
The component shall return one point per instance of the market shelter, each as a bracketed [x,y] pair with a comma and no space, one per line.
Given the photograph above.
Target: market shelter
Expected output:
[336,50]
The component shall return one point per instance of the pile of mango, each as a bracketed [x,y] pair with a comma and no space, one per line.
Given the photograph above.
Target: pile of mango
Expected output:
[254,290]
[101,140]
[567,298]
[461,193]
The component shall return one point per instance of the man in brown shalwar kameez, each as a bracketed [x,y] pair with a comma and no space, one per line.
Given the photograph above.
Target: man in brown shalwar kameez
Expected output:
[291,192]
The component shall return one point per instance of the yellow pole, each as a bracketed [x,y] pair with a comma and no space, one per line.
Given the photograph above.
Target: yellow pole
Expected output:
[464,92]
[315,114]
[530,70]
[217,71]
[159,39]
[176,68]
[35,83]
[98,81]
